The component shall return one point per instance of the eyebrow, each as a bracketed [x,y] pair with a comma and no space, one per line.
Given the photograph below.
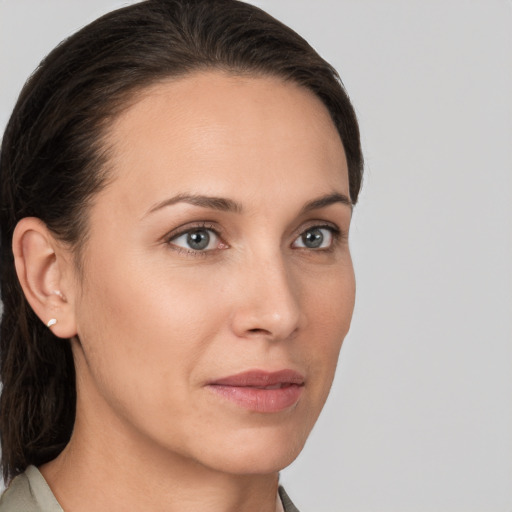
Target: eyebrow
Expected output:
[213,203]
[228,205]
[324,201]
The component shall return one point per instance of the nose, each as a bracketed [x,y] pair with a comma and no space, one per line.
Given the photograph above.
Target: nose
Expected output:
[268,301]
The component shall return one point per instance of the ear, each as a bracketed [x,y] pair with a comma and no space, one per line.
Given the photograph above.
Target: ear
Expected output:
[44,269]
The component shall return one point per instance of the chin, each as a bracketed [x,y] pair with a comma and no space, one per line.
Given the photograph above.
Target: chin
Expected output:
[255,451]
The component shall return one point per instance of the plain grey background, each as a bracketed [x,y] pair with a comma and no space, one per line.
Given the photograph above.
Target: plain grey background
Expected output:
[420,415]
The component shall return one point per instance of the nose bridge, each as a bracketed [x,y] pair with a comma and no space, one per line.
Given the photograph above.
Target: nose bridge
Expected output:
[269,302]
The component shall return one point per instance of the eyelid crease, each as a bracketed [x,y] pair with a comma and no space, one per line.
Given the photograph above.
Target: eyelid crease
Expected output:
[193,226]
[319,224]
[337,234]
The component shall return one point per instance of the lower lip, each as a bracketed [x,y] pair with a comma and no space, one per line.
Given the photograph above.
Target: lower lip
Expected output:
[260,400]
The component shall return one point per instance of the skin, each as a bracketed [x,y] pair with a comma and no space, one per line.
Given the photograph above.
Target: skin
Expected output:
[154,321]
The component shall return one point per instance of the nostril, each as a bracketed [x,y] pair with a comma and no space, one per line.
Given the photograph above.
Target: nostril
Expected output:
[259,331]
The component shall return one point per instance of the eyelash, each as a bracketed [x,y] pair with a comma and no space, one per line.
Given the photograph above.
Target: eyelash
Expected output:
[336,233]
[206,226]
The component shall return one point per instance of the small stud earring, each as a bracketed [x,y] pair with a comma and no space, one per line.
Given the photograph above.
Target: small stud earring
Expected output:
[51,322]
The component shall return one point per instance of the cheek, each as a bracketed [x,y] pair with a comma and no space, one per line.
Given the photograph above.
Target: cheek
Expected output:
[150,331]
[329,305]
[329,299]
[142,333]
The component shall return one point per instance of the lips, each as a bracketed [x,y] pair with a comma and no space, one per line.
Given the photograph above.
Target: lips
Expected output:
[261,391]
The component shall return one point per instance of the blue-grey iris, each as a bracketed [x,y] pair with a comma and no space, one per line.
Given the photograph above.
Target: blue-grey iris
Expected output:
[199,239]
[313,238]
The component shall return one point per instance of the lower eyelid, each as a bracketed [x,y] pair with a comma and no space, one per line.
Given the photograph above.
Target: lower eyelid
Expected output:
[333,232]
[336,233]
[219,242]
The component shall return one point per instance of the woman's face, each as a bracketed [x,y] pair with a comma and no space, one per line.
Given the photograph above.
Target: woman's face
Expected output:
[217,284]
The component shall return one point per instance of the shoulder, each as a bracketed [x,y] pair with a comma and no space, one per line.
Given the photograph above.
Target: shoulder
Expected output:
[29,492]
[18,496]
[286,501]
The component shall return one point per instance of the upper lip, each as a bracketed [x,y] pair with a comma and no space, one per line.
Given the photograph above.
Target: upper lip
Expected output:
[260,378]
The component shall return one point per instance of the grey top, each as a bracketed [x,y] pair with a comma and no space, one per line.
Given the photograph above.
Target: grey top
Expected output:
[29,492]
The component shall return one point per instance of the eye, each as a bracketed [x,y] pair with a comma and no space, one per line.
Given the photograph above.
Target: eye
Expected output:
[198,239]
[316,237]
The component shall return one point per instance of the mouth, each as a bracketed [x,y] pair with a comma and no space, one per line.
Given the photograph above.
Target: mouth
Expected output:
[261,391]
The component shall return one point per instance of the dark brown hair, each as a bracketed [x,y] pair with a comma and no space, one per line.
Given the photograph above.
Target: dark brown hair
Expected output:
[52,162]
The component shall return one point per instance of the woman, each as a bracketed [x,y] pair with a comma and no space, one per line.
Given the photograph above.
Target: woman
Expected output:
[177,186]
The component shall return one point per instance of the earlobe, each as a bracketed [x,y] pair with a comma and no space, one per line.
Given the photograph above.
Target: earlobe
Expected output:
[41,266]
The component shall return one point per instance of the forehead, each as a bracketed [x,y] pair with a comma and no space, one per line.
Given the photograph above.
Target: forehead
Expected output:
[216,130]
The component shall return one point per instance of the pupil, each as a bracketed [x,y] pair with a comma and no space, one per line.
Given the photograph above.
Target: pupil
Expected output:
[313,238]
[198,239]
